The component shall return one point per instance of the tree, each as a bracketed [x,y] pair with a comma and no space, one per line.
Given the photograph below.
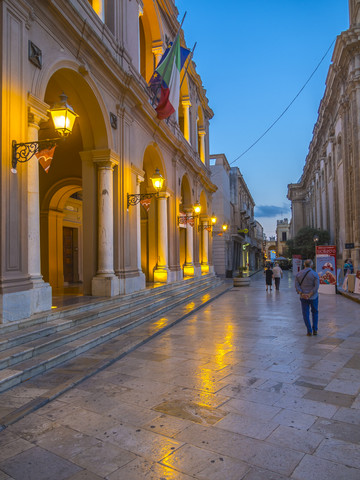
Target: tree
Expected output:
[303,243]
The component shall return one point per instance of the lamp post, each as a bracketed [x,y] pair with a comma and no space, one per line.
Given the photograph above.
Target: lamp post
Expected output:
[63,117]
[315,239]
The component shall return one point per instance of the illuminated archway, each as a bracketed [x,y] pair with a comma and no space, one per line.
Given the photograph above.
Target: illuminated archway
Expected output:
[201,132]
[71,183]
[148,213]
[184,207]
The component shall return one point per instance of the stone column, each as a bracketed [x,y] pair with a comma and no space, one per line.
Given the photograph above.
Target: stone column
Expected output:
[158,53]
[42,293]
[189,247]
[186,104]
[105,283]
[202,134]
[139,179]
[205,245]
[161,270]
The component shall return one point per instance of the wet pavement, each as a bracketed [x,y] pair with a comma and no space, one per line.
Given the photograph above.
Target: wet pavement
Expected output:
[236,391]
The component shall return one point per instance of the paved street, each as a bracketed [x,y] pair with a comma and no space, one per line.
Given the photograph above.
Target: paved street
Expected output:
[235,391]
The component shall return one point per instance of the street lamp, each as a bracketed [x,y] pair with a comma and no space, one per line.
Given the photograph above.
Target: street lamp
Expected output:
[63,117]
[185,218]
[224,227]
[208,226]
[316,239]
[197,208]
[157,180]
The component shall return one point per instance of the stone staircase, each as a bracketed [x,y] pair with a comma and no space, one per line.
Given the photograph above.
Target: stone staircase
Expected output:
[36,345]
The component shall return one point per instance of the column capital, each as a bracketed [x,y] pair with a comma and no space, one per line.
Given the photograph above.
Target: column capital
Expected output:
[37,111]
[105,158]
[201,132]
[157,50]
[163,195]
[185,101]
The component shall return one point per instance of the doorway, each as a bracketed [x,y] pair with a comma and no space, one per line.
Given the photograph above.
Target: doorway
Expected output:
[70,255]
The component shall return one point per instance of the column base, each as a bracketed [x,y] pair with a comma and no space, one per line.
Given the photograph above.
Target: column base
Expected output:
[133,283]
[161,275]
[205,268]
[24,303]
[105,286]
[189,270]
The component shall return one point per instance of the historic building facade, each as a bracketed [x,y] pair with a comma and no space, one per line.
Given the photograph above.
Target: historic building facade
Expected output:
[282,236]
[328,193]
[240,245]
[74,224]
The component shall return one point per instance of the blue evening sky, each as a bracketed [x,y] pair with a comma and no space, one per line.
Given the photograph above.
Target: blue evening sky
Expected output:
[253,57]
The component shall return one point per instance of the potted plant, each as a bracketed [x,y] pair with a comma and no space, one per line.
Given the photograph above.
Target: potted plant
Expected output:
[240,280]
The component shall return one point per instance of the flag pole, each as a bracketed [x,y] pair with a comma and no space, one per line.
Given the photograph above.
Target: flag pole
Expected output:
[167,66]
[188,64]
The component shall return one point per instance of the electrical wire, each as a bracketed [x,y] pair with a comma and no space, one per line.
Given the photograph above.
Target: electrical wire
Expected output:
[287,108]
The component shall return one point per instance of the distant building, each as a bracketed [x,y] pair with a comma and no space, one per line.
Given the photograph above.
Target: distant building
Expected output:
[327,195]
[241,244]
[270,248]
[282,236]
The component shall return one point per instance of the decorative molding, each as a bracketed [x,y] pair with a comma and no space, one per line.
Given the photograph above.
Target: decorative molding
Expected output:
[34,55]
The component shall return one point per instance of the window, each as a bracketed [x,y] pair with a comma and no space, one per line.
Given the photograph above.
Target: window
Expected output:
[283,236]
[99,7]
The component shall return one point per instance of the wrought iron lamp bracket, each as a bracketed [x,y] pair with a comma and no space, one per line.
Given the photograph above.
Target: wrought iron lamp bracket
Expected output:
[135,198]
[205,226]
[23,152]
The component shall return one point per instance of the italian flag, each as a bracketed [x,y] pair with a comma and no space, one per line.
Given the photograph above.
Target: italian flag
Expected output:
[169,70]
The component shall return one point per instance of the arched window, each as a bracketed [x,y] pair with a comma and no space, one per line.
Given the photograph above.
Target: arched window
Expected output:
[201,132]
[105,11]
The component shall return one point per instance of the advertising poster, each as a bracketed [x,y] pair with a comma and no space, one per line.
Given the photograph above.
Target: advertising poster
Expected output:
[326,268]
[296,264]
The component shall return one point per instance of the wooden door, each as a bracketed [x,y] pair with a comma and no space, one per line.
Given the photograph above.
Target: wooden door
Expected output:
[68,250]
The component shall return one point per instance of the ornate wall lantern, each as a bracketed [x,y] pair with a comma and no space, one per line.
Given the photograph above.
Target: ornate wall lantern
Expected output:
[63,117]
[157,180]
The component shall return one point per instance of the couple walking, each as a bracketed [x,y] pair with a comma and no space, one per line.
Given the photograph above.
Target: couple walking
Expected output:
[276,273]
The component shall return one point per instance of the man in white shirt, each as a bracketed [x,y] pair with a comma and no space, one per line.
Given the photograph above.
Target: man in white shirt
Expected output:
[277,274]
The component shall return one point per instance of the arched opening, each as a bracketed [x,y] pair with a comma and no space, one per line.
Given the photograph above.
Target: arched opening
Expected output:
[203,234]
[68,191]
[184,110]
[149,214]
[184,208]
[150,37]
[201,132]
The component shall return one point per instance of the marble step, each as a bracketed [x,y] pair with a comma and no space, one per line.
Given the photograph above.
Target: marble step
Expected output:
[30,344]
[69,316]
[100,303]
[26,361]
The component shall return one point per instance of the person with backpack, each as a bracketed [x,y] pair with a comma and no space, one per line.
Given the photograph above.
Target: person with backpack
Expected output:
[307,286]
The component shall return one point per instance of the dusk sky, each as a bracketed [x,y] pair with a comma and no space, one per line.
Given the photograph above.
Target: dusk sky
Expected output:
[253,58]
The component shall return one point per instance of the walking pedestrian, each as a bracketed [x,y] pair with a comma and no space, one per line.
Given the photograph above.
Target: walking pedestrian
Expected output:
[348,266]
[278,273]
[307,285]
[268,277]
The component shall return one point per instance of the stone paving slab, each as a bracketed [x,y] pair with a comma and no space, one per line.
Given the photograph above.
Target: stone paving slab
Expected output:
[236,391]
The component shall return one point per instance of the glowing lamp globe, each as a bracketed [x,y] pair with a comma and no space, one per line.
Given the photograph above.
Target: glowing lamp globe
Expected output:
[197,208]
[63,116]
[213,219]
[157,180]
